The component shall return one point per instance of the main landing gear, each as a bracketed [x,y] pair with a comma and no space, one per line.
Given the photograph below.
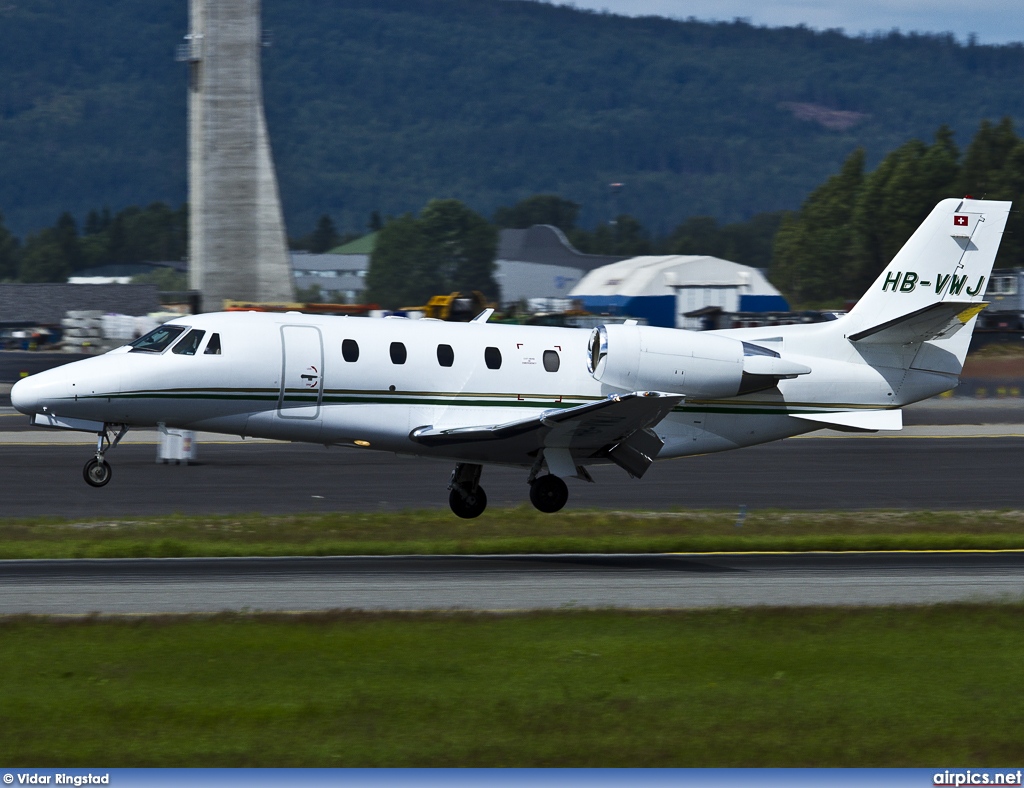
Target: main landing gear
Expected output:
[467,498]
[97,471]
[548,493]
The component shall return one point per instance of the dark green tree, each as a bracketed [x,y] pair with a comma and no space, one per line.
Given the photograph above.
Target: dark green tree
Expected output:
[749,243]
[399,273]
[66,234]
[324,237]
[539,209]
[984,158]
[43,259]
[811,256]
[462,246]
[1008,184]
[697,235]
[9,253]
[448,247]
[896,198]
[155,233]
[625,236]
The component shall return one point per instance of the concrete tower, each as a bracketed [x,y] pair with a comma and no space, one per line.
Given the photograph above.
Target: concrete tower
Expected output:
[237,247]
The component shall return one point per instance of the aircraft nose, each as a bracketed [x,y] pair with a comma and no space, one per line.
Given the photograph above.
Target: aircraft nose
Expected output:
[30,395]
[24,396]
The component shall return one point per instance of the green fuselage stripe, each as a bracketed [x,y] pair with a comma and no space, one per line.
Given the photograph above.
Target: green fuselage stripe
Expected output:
[464,399]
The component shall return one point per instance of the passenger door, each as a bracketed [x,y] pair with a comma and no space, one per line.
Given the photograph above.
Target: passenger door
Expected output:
[302,372]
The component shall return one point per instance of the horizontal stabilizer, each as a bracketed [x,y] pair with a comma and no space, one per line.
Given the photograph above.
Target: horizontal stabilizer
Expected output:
[857,420]
[586,427]
[937,321]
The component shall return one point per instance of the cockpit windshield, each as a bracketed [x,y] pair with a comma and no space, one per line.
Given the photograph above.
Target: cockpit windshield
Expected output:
[189,343]
[157,340]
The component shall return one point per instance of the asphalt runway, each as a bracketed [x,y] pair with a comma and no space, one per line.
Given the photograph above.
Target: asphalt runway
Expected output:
[866,473]
[929,465]
[504,583]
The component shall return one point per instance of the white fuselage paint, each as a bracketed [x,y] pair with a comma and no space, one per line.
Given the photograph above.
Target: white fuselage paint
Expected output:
[284,376]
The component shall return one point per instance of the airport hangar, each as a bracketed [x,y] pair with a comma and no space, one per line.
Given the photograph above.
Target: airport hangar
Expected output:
[541,263]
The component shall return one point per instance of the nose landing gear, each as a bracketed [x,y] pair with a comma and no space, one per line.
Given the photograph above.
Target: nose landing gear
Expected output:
[467,498]
[97,471]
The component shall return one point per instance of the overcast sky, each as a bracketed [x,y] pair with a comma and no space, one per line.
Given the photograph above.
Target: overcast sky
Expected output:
[994,21]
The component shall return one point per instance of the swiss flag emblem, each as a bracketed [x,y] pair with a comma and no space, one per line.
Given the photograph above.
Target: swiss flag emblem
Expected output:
[960,221]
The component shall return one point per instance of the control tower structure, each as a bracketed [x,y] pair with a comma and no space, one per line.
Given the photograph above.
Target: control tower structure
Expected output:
[237,243]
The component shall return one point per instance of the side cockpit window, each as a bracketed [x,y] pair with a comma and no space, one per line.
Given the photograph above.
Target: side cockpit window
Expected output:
[157,340]
[213,346]
[189,344]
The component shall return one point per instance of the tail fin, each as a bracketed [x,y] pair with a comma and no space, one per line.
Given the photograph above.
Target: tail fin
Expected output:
[936,283]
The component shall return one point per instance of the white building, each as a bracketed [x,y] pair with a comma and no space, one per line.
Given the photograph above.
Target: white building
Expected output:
[665,288]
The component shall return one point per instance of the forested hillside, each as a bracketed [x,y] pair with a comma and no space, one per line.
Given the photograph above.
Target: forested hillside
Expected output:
[850,227]
[385,104]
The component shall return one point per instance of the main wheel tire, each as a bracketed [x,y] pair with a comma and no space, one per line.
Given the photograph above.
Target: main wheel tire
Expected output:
[97,472]
[468,506]
[548,493]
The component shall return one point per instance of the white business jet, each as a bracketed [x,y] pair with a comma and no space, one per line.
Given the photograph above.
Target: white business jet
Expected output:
[552,401]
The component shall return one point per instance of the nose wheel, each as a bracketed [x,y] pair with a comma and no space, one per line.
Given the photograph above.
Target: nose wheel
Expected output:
[97,472]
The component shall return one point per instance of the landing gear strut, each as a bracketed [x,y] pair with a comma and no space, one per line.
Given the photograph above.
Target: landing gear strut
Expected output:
[548,493]
[467,498]
[97,471]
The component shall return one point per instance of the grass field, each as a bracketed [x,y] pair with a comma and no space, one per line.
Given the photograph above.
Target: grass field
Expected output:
[768,687]
[520,530]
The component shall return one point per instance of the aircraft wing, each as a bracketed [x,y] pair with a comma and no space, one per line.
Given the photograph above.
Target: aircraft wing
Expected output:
[617,427]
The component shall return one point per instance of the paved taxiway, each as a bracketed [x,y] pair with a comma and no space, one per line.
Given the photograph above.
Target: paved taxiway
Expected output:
[505,582]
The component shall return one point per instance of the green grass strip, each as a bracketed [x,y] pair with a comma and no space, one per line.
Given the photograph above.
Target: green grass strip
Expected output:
[519,530]
[761,687]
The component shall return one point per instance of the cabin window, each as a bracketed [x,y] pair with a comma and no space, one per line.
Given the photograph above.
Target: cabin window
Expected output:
[213,347]
[157,340]
[350,350]
[398,353]
[189,344]
[551,360]
[492,358]
[445,355]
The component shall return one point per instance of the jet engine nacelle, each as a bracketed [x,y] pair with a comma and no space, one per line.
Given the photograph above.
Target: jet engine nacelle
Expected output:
[695,364]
